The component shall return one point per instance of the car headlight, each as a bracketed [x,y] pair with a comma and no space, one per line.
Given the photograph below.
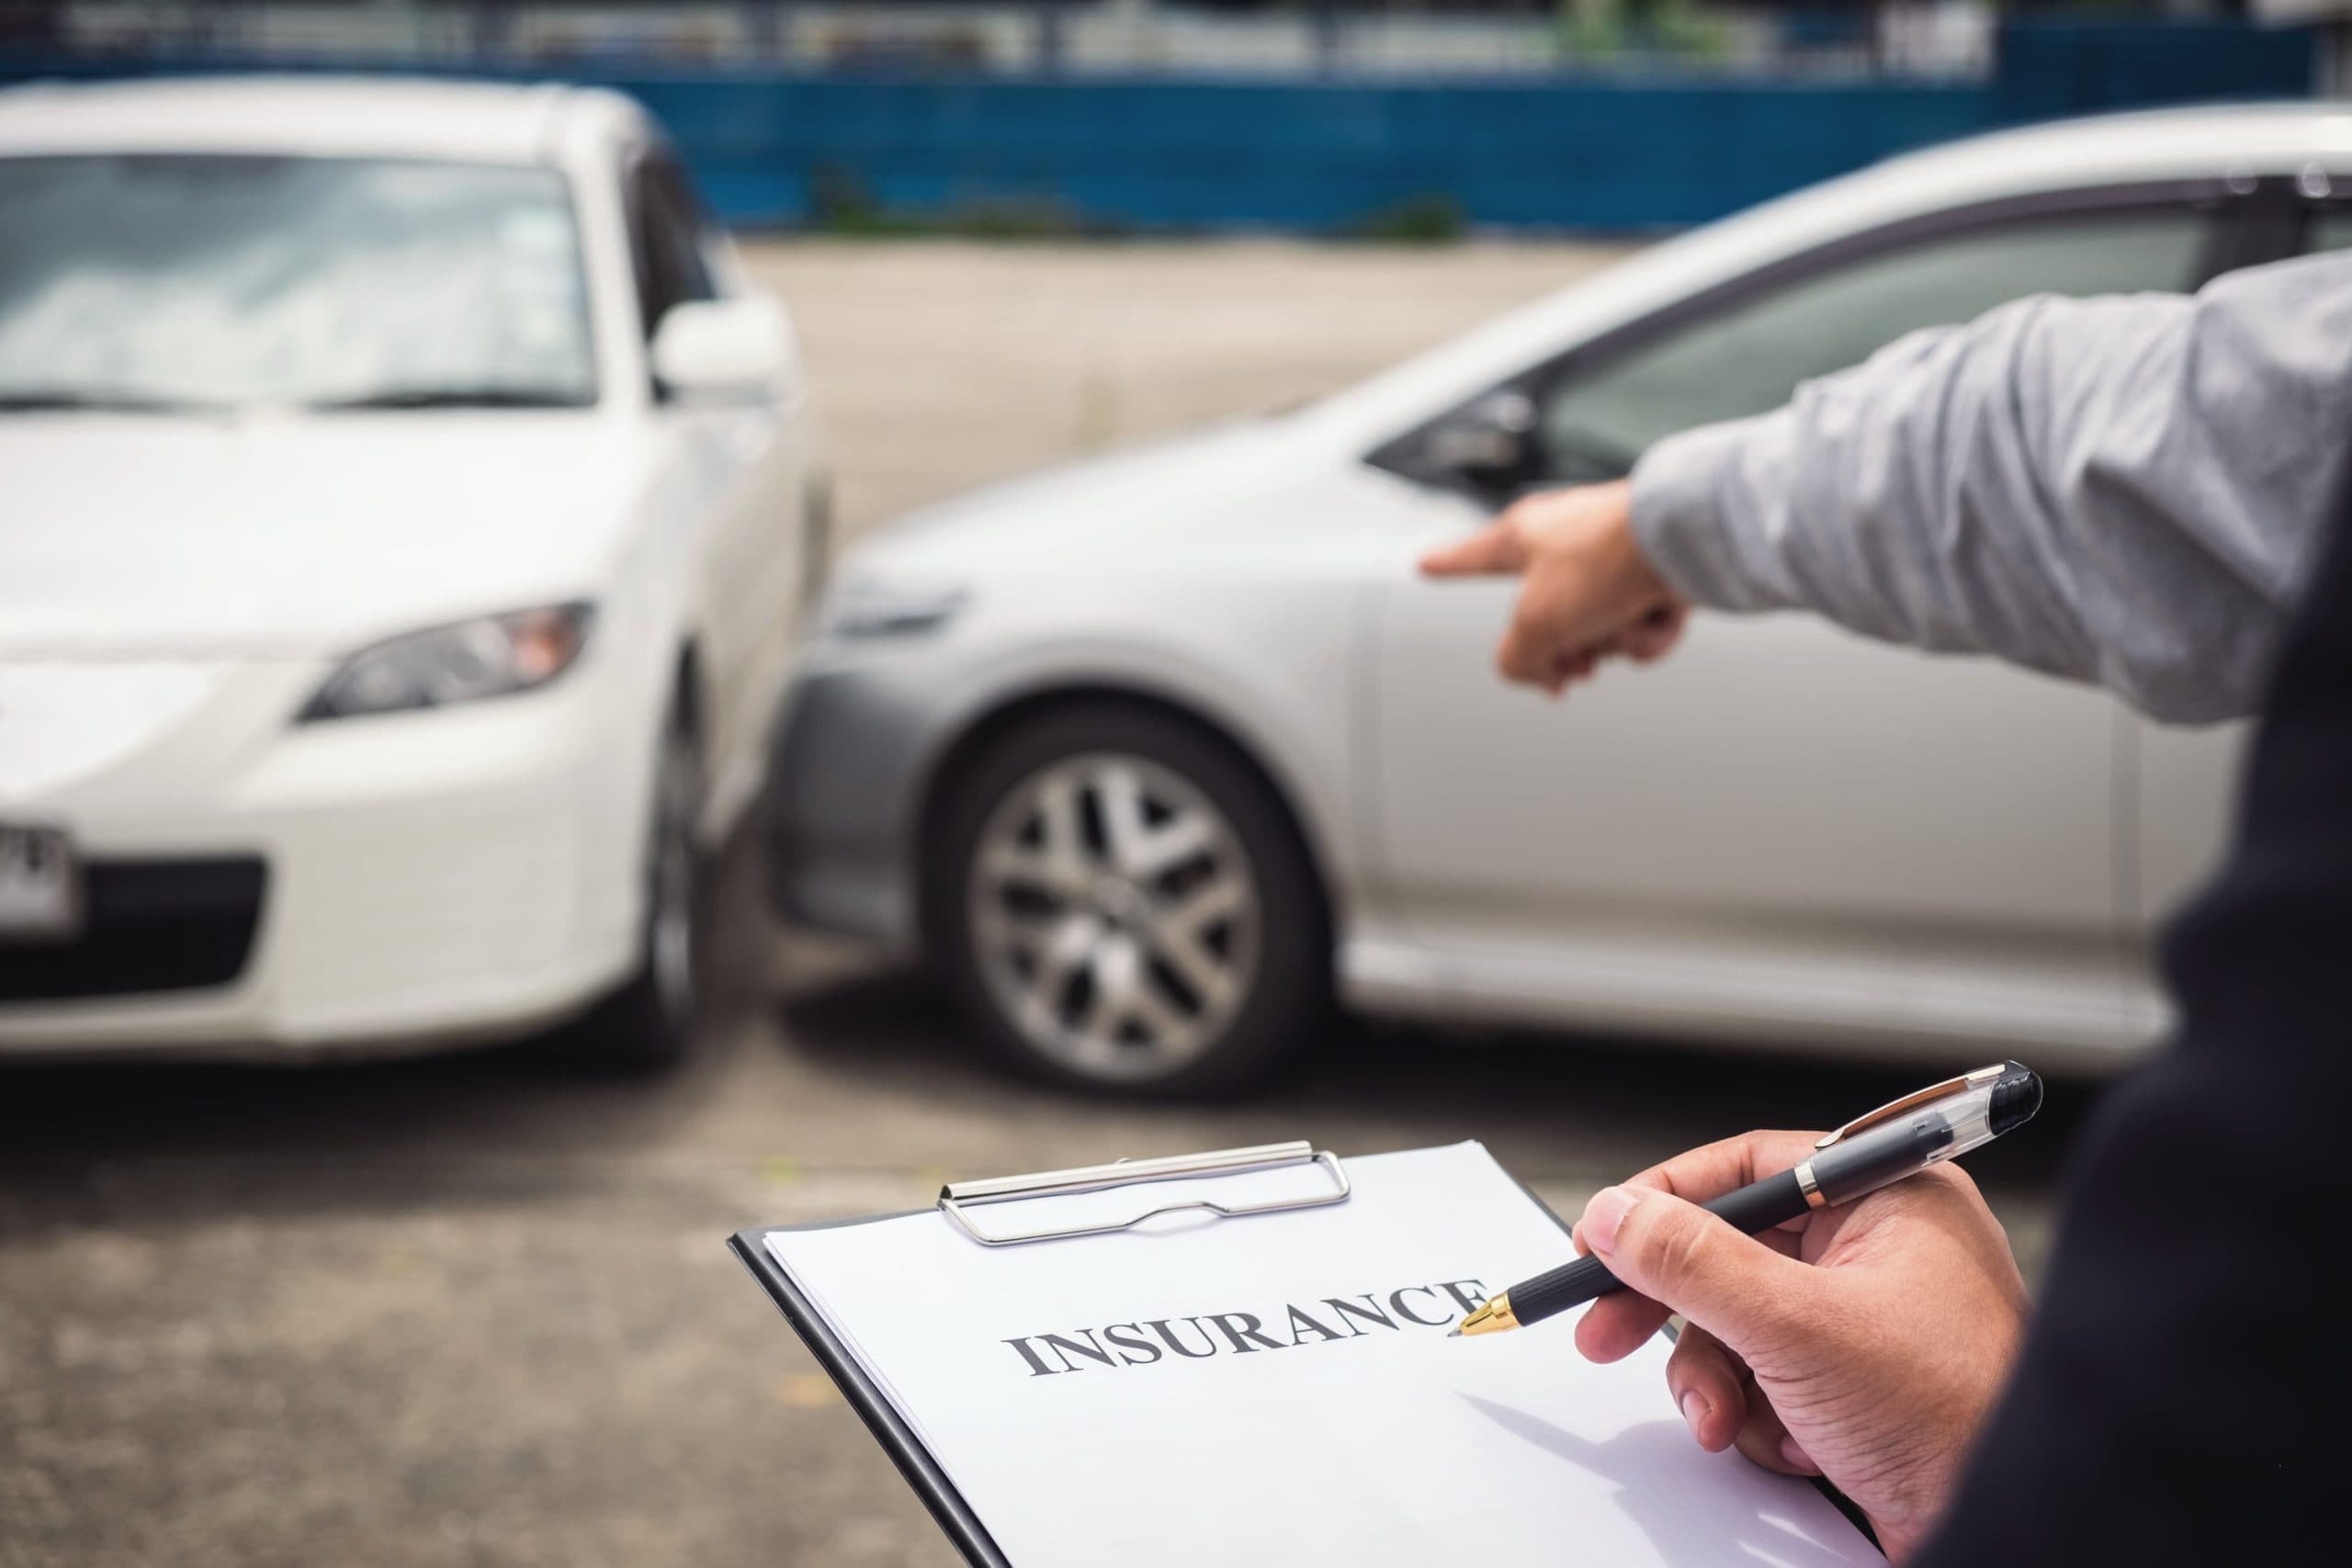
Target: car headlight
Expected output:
[868,607]
[489,657]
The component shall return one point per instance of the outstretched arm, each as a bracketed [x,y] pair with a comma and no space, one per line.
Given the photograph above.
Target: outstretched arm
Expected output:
[2124,490]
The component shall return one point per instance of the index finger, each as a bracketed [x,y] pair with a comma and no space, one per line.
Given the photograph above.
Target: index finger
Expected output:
[1727,1165]
[1619,1322]
[1495,550]
[1724,1166]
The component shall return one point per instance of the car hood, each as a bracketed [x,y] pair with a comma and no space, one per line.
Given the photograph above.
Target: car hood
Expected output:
[1090,509]
[128,536]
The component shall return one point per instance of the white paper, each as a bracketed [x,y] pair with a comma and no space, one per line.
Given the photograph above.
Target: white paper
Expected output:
[1377,1445]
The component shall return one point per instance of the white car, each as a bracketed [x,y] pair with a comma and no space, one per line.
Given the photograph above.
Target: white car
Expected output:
[1148,751]
[405,514]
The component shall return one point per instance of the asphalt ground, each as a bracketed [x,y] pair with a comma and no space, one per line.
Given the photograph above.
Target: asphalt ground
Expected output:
[477,1309]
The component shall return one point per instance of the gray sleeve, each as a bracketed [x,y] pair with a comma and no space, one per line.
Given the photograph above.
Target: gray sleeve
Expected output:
[2126,490]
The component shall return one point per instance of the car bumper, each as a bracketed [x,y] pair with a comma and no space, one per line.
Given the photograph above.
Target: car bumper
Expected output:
[255,888]
[859,738]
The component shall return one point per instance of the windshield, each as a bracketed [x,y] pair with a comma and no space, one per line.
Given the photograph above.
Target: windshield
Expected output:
[166,281]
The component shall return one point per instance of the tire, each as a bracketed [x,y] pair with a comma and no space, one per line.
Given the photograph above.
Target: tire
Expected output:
[1121,903]
[650,1022]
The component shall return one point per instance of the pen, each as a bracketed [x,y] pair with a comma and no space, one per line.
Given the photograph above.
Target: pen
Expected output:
[1899,1139]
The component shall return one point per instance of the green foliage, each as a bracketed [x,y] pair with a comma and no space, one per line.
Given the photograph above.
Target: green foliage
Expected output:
[1013,217]
[1415,220]
[1603,29]
[839,204]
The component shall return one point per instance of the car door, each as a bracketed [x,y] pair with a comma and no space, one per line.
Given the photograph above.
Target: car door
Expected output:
[1783,817]
[745,472]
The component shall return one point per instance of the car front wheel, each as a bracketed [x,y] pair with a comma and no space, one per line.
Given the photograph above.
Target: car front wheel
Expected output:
[651,1020]
[1122,902]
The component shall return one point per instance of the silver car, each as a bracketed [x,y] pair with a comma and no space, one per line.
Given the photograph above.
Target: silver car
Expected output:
[1151,754]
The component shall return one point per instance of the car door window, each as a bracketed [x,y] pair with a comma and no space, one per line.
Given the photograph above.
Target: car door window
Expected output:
[1746,356]
[665,234]
[2330,230]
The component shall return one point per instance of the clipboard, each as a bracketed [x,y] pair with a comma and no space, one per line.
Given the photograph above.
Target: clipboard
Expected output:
[922,1471]
[956,1201]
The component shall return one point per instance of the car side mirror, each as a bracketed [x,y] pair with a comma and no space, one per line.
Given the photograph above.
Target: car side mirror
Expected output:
[736,350]
[1490,442]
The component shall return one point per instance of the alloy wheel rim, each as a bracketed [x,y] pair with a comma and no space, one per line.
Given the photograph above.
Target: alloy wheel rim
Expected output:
[1114,915]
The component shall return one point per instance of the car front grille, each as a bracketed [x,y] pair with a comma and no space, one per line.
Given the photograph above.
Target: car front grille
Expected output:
[147,925]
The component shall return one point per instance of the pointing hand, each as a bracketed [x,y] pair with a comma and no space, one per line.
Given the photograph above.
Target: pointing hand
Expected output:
[1589,595]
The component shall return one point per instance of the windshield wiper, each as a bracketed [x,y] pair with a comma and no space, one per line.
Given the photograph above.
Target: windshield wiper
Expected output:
[453,398]
[46,398]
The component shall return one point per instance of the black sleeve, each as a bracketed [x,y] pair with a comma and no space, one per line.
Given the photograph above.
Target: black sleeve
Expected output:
[2185,1394]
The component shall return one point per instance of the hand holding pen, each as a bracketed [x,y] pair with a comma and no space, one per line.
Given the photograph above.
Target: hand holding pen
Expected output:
[1865,1340]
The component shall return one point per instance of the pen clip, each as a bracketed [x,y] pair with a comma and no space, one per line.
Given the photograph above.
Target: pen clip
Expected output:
[1894,1109]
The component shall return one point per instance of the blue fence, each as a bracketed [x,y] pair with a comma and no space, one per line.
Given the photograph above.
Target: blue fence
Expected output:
[2060,68]
[1594,155]
[1610,152]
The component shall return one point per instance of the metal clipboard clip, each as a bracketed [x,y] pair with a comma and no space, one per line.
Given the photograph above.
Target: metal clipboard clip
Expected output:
[958,1196]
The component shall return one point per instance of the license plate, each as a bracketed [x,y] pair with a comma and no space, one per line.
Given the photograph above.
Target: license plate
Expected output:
[41,889]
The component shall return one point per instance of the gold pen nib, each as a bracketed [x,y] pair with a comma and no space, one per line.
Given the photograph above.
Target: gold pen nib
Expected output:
[1492,1318]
